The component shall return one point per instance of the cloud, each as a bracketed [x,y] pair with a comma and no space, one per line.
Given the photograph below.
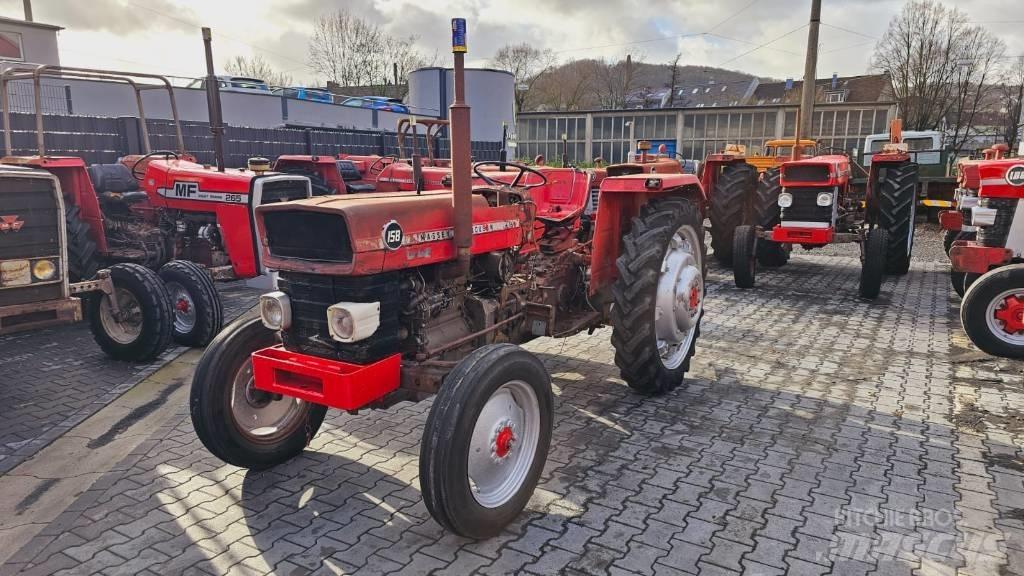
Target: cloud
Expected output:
[114,16]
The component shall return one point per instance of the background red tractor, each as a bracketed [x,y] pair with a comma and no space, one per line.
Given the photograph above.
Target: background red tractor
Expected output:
[992,264]
[816,205]
[391,297]
[162,210]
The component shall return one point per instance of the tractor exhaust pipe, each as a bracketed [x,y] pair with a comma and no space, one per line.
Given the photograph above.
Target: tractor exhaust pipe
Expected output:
[213,102]
[462,182]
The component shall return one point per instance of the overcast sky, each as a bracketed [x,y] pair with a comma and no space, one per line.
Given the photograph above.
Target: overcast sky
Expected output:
[162,36]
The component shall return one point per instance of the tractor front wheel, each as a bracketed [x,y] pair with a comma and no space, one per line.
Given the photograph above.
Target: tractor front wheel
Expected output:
[238,423]
[728,206]
[659,295]
[744,256]
[992,312]
[767,214]
[486,440]
[198,312]
[138,328]
[897,203]
[873,266]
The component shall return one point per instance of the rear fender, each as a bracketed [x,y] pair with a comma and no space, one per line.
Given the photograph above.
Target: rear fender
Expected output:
[619,202]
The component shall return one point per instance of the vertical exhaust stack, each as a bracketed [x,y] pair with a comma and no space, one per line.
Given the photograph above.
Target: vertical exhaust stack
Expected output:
[462,182]
[213,101]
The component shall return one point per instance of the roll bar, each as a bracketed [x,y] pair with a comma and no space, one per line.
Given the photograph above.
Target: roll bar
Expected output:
[407,125]
[37,72]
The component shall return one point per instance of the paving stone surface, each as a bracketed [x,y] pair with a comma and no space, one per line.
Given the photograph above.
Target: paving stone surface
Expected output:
[816,433]
[53,379]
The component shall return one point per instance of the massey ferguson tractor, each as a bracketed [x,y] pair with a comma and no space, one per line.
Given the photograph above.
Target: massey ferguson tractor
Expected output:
[816,205]
[992,311]
[129,307]
[398,297]
[161,210]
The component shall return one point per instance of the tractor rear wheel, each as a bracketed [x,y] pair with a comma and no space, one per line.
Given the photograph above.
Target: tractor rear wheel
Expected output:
[733,190]
[140,329]
[872,270]
[83,261]
[992,312]
[486,440]
[744,256]
[767,215]
[897,204]
[195,302]
[659,295]
[236,422]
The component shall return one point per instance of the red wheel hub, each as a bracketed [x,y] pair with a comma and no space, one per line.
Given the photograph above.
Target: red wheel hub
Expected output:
[694,298]
[503,443]
[181,305]
[1012,314]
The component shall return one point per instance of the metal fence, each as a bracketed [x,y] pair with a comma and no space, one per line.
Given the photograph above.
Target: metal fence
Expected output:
[103,140]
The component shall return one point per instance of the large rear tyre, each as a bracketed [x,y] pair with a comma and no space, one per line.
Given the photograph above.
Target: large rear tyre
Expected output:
[140,329]
[992,312]
[486,440]
[83,260]
[733,190]
[198,312]
[767,215]
[744,257]
[236,422]
[897,203]
[872,270]
[659,295]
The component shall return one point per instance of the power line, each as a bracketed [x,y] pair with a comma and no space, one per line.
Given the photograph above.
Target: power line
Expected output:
[758,47]
[735,14]
[848,31]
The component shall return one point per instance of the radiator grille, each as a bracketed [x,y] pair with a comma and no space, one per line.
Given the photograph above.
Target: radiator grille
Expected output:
[308,235]
[32,202]
[995,235]
[805,206]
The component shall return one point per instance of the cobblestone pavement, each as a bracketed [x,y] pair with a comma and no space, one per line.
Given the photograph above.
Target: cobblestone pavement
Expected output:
[816,433]
[57,377]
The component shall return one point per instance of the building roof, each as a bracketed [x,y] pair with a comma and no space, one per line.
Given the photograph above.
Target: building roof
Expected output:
[40,25]
[867,88]
[696,94]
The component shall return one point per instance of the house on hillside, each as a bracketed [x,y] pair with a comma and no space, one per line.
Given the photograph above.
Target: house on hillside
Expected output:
[834,90]
[24,41]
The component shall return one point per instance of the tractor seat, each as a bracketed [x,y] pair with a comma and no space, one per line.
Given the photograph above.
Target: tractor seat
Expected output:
[352,178]
[115,178]
[354,188]
[564,196]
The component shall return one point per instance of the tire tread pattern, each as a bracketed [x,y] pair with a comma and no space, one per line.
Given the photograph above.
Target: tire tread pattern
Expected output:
[728,206]
[209,309]
[897,197]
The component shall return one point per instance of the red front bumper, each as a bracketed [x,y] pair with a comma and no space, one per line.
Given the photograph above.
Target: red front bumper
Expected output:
[794,235]
[951,220]
[323,381]
[968,256]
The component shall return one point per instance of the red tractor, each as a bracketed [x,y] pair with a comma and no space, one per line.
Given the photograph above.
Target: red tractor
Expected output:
[816,206]
[992,264]
[162,210]
[401,296]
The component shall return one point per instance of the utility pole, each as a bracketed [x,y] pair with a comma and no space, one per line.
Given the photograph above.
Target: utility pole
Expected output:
[810,73]
[213,101]
[28,10]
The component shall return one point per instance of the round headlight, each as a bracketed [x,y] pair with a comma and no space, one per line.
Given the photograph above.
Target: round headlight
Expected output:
[275,311]
[824,199]
[342,324]
[44,270]
[785,200]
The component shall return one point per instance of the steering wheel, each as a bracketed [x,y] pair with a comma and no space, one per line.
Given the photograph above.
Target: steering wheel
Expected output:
[522,168]
[135,167]
[372,173]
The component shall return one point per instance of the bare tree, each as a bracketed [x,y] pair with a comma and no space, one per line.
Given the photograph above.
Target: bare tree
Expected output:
[257,67]
[673,79]
[350,51]
[616,82]
[569,87]
[1011,102]
[527,64]
[941,67]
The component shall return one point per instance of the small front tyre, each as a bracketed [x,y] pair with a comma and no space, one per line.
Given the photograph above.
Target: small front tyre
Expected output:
[198,312]
[139,329]
[872,270]
[236,422]
[486,440]
[992,312]
[744,256]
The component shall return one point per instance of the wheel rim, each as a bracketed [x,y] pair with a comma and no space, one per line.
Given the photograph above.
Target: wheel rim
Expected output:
[680,297]
[184,308]
[504,444]
[1005,316]
[262,416]
[125,326]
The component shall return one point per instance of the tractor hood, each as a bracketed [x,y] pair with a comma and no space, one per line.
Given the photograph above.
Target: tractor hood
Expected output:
[358,234]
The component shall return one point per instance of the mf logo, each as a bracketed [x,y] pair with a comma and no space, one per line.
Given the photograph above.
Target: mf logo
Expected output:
[186,189]
[1015,175]
[392,235]
[10,223]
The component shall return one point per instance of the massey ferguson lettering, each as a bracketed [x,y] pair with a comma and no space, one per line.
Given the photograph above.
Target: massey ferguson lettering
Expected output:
[191,191]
